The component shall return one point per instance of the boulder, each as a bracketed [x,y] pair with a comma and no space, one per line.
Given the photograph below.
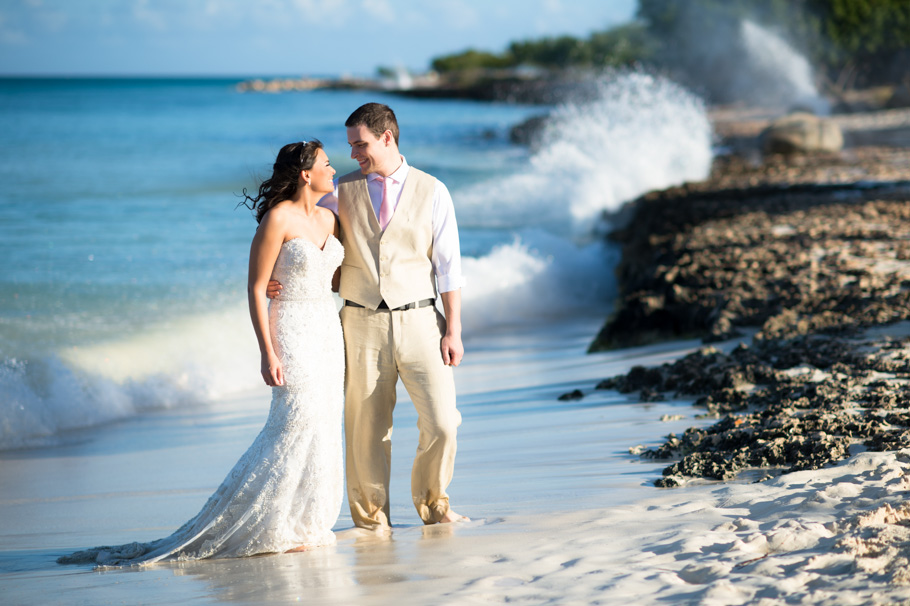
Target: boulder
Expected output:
[802,132]
[900,98]
[530,131]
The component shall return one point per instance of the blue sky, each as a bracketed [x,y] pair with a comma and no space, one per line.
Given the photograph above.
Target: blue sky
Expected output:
[275,37]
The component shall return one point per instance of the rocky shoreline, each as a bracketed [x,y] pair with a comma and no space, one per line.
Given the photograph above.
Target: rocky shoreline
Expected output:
[803,260]
[536,87]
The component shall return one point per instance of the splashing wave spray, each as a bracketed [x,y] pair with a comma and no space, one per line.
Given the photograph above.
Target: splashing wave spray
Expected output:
[643,132]
[776,74]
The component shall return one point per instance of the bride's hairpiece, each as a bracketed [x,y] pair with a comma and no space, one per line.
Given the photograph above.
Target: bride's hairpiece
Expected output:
[302,149]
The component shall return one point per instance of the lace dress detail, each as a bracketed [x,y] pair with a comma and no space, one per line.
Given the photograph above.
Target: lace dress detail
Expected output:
[286,490]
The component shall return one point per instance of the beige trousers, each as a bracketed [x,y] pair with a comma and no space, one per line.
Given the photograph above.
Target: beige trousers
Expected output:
[380,347]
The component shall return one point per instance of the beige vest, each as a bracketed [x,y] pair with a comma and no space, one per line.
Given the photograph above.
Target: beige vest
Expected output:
[394,265]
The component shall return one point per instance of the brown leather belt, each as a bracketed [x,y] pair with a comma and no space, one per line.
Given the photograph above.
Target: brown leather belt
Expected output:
[383,305]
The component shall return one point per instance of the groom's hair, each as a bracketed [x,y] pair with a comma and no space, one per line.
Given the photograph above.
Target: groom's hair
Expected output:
[377,117]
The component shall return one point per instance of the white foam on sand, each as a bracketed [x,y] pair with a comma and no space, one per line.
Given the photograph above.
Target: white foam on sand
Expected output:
[563,513]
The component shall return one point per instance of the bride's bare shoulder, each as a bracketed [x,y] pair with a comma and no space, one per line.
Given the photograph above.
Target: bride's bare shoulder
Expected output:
[279,215]
[327,218]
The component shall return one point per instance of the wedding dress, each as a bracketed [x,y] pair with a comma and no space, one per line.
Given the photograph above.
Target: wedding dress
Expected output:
[286,491]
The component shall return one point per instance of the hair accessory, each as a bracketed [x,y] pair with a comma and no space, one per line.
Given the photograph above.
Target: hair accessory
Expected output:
[302,149]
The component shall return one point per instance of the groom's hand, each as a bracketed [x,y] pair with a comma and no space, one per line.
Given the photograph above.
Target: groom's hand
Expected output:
[273,289]
[452,350]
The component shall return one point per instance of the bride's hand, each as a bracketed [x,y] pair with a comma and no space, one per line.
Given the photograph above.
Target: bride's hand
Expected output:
[272,371]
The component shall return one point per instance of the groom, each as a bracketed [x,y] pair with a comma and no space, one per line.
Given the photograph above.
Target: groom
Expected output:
[401,242]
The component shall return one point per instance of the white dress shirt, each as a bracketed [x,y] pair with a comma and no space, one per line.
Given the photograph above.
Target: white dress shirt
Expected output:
[446,248]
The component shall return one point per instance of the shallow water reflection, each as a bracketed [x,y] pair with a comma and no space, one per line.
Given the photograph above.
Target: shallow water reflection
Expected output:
[321,574]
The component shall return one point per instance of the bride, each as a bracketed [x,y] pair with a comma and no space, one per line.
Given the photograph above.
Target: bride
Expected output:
[285,492]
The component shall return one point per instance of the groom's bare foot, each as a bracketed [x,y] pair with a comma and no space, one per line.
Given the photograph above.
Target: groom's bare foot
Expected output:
[451,516]
[298,549]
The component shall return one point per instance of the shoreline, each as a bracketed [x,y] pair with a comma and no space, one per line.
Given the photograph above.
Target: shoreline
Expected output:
[805,258]
[810,267]
[522,456]
[563,513]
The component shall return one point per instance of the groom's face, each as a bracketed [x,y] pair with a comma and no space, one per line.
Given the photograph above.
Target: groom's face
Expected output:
[373,154]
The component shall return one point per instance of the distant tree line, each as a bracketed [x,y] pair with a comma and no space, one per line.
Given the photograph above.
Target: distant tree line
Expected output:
[615,47]
[860,42]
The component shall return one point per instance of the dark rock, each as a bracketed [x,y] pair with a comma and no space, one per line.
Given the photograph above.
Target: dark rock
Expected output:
[529,132]
[806,253]
[787,419]
[802,132]
[575,394]
[900,97]
[789,261]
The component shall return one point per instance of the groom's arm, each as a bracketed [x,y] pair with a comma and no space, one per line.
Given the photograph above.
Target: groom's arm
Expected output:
[273,289]
[329,201]
[451,345]
[446,259]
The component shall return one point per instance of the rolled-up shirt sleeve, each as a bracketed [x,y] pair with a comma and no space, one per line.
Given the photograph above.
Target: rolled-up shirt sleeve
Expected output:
[446,247]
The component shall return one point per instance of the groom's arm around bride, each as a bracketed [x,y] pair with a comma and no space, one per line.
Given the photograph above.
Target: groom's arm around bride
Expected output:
[401,251]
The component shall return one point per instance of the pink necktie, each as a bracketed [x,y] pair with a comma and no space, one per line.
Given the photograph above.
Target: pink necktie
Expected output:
[385,207]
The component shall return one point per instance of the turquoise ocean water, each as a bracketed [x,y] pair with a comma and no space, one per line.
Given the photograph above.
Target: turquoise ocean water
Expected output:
[122,286]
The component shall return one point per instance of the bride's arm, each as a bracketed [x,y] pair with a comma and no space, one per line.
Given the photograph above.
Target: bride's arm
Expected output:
[263,253]
[336,277]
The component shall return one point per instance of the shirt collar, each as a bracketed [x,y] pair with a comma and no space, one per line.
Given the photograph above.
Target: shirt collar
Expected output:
[398,176]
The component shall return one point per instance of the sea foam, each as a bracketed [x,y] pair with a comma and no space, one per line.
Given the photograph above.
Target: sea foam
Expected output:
[642,132]
[186,362]
[775,73]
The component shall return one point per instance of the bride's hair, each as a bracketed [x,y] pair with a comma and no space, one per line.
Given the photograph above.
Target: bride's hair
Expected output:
[282,185]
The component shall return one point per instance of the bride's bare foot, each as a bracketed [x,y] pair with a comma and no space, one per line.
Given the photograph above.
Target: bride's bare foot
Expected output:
[451,516]
[297,549]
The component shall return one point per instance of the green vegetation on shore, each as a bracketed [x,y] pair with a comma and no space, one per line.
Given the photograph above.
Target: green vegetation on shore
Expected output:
[863,42]
[612,48]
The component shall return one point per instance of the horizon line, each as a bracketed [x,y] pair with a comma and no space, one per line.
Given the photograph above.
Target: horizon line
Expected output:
[163,76]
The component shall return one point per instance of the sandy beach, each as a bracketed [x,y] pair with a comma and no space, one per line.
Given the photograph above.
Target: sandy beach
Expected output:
[523,456]
[562,512]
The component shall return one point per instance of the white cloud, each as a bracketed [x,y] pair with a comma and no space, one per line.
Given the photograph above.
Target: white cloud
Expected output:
[214,8]
[148,16]
[13,38]
[553,6]
[315,10]
[378,10]
[53,21]
[460,15]
[9,34]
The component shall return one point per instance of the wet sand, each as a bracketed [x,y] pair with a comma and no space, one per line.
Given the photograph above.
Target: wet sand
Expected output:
[563,512]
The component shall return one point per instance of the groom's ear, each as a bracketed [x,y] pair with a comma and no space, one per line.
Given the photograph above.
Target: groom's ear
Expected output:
[388,138]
